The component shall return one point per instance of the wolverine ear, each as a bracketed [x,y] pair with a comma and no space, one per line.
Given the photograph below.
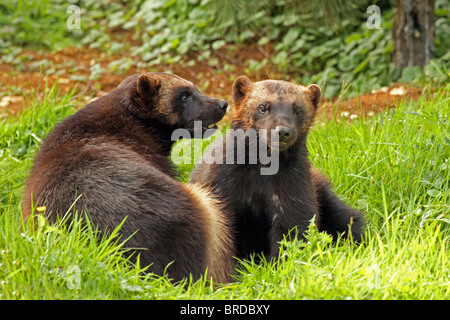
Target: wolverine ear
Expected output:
[147,87]
[314,94]
[144,96]
[240,87]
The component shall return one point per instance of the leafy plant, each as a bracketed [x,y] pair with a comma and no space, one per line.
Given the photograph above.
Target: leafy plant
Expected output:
[166,31]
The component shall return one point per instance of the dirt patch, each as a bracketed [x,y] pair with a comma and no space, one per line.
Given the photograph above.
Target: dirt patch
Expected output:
[71,68]
[366,105]
[89,70]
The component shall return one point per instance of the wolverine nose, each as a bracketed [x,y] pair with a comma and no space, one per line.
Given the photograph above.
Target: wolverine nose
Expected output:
[284,133]
[223,105]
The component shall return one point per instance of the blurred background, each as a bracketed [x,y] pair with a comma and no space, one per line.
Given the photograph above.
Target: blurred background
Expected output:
[364,54]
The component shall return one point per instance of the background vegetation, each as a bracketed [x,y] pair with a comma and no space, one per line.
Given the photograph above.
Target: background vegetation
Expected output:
[394,166]
[306,46]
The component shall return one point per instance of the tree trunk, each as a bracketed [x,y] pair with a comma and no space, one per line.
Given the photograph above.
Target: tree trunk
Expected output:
[413,32]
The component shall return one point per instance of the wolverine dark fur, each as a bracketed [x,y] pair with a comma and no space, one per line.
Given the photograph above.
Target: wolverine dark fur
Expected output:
[113,156]
[265,208]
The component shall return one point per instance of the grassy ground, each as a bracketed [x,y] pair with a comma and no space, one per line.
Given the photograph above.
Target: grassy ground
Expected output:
[393,166]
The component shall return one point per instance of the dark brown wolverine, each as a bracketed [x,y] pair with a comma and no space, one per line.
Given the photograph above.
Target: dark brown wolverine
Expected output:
[265,208]
[113,156]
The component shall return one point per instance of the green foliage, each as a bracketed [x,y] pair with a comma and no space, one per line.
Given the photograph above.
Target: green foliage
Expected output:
[359,55]
[348,52]
[39,24]
[395,166]
[330,54]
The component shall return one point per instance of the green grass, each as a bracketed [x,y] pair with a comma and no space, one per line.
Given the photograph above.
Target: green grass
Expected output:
[393,166]
[38,24]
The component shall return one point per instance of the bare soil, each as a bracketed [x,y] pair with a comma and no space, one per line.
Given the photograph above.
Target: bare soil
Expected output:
[19,87]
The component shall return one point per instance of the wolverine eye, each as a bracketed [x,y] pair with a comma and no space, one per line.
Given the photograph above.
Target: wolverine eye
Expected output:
[263,108]
[184,97]
[297,108]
